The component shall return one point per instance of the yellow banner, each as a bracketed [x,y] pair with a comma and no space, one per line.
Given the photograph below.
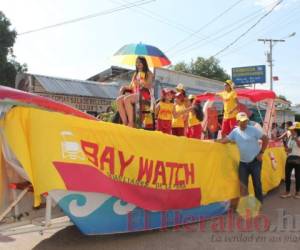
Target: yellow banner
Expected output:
[151,169]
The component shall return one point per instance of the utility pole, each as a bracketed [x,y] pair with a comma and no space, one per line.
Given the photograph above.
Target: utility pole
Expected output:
[270,56]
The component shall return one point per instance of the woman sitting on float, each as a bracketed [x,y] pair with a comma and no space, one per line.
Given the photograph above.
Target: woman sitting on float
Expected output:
[141,79]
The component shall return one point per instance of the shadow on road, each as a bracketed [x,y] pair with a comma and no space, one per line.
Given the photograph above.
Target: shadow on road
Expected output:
[71,238]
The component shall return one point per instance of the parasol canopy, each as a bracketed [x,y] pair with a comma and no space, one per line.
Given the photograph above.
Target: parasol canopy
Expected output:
[154,56]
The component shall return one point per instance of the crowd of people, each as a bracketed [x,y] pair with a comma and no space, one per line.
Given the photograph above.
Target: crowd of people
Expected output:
[289,134]
[175,112]
[180,114]
[291,141]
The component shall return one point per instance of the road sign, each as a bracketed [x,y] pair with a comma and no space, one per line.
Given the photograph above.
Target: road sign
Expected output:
[249,75]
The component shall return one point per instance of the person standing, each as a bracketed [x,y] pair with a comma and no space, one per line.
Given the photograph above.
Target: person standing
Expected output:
[247,139]
[286,134]
[179,116]
[231,107]
[293,161]
[194,129]
[164,111]
[180,89]
[274,131]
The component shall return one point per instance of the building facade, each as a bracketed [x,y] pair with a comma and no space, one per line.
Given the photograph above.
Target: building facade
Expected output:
[88,96]
[97,94]
[162,78]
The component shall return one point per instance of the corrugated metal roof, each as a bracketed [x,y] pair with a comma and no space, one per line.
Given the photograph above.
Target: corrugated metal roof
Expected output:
[78,87]
[110,73]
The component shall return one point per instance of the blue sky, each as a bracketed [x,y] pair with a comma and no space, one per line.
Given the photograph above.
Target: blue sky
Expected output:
[82,49]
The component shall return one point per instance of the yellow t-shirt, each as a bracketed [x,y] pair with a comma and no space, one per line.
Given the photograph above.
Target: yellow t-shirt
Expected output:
[179,121]
[230,103]
[165,111]
[147,119]
[192,120]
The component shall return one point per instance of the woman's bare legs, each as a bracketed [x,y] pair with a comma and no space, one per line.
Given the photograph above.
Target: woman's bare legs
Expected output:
[128,102]
[121,108]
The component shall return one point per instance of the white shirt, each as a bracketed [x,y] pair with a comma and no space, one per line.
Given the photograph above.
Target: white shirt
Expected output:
[292,144]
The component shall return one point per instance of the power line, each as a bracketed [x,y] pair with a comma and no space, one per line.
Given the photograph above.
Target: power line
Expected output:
[250,28]
[239,23]
[160,18]
[205,25]
[290,20]
[235,26]
[163,19]
[102,13]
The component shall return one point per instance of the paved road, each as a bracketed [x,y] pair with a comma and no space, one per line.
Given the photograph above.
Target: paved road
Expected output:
[183,238]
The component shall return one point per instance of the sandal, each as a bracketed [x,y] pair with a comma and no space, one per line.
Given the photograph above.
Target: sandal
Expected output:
[297,195]
[285,195]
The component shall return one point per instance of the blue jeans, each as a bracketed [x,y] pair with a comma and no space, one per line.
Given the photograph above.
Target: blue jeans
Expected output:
[254,169]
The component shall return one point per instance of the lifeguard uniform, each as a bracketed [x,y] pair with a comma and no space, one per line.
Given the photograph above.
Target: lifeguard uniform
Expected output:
[148,121]
[178,123]
[230,103]
[194,126]
[164,118]
[147,118]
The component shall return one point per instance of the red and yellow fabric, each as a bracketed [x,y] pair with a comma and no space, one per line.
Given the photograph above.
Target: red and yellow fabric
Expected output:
[179,121]
[228,125]
[149,169]
[164,126]
[192,119]
[148,120]
[165,111]
[230,103]
[195,131]
[140,77]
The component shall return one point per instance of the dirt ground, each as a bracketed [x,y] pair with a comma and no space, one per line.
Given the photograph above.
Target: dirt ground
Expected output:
[284,233]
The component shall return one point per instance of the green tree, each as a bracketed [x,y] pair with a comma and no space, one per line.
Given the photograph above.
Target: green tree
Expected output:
[9,67]
[182,67]
[209,68]
[282,97]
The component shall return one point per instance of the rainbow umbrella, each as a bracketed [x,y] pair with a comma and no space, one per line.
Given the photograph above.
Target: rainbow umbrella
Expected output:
[154,56]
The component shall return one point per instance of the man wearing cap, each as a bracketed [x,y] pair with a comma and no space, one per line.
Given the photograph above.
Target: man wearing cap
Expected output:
[231,109]
[247,139]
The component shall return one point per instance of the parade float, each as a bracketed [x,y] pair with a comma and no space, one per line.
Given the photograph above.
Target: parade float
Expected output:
[108,178]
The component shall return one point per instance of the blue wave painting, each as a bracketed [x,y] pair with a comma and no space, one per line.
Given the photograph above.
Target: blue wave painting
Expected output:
[114,216]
